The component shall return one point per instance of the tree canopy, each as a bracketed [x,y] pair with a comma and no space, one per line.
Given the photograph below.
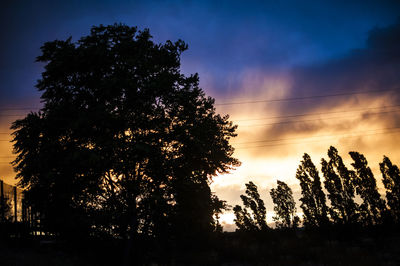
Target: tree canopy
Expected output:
[391,181]
[340,184]
[373,205]
[284,206]
[252,217]
[313,202]
[124,143]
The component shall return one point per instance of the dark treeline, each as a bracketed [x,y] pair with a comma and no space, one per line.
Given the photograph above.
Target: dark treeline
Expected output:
[345,219]
[341,184]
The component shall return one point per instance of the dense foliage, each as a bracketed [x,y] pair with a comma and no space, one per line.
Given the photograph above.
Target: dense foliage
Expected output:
[391,181]
[124,144]
[340,182]
[252,217]
[284,206]
[313,201]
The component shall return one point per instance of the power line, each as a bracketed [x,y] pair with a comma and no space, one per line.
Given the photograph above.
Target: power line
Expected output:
[297,138]
[314,114]
[319,140]
[296,143]
[271,117]
[299,115]
[312,120]
[305,97]
[20,109]
[284,122]
[12,115]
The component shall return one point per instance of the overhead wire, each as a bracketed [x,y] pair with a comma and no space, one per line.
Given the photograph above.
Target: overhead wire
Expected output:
[305,97]
[311,140]
[12,115]
[276,117]
[319,113]
[250,101]
[313,120]
[313,114]
[290,121]
[296,138]
[19,109]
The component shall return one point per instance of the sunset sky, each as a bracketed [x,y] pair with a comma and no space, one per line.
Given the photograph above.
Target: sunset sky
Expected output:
[295,76]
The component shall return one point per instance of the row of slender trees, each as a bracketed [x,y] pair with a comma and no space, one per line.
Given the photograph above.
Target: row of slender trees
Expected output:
[353,196]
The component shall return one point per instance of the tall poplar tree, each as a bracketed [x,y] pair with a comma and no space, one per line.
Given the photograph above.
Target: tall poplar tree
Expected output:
[284,206]
[313,202]
[373,206]
[339,182]
[391,181]
[253,216]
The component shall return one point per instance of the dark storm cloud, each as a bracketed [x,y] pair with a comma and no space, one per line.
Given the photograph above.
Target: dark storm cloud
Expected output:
[224,37]
[277,36]
[373,68]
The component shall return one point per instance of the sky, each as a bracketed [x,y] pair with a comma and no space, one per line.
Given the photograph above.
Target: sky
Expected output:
[295,76]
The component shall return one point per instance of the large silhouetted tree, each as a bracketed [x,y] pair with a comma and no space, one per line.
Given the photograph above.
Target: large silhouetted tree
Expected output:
[284,206]
[313,202]
[373,205]
[391,181]
[339,182]
[253,216]
[124,144]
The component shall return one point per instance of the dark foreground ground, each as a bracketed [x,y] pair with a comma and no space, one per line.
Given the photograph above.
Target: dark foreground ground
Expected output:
[333,247]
